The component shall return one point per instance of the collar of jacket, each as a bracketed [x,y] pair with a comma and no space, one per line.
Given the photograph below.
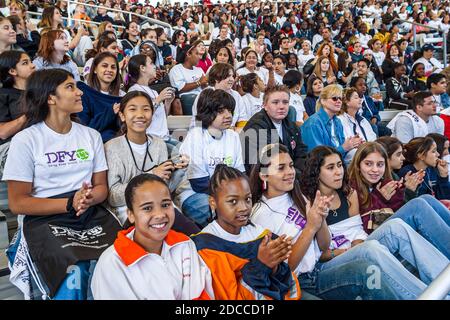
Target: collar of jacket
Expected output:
[324,117]
[130,252]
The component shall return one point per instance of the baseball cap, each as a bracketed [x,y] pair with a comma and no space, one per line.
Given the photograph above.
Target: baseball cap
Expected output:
[368,51]
[427,47]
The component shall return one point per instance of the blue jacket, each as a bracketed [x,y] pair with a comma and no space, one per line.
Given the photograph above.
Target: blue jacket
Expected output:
[98,112]
[440,186]
[371,109]
[316,131]
[445,100]
[310,105]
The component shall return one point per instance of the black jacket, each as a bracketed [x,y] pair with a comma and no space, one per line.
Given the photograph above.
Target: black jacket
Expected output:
[252,145]
[29,46]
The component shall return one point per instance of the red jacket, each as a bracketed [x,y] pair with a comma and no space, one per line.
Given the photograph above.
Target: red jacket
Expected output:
[378,201]
[446,119]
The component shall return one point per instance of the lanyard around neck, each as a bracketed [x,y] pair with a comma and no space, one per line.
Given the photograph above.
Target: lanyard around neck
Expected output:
[145,157]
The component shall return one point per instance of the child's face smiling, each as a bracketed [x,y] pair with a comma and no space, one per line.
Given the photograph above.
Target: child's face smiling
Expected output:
[233,204]
[153,215]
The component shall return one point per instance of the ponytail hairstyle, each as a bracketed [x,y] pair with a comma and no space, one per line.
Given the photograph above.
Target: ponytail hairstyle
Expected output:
[40,85]
[138,181]
[103,43]
[256,183]
[417,147]
[127,98]
[134,69]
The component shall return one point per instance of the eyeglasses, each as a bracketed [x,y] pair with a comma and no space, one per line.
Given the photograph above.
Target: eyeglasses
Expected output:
[336,99]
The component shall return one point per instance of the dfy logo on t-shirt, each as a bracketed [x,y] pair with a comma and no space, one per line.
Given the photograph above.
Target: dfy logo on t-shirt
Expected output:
[294,216]
[62,158]
[214,161]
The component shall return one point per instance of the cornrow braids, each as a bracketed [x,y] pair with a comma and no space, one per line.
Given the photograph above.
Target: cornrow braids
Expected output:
[223,173]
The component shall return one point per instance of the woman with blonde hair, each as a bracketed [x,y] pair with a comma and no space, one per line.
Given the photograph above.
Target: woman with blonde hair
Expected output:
[353,123]
[324,127]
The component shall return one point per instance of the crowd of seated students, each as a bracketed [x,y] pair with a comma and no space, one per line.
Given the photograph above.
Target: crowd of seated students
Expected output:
[287,184]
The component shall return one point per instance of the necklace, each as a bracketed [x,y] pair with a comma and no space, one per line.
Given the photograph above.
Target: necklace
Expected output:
[145,157]
[335,214]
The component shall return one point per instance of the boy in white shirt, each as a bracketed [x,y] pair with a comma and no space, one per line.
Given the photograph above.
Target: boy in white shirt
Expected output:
[207,146]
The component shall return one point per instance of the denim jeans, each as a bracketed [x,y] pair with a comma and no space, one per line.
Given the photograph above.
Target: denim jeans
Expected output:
[197,208]
[430,218]
[400,238]
[367,271]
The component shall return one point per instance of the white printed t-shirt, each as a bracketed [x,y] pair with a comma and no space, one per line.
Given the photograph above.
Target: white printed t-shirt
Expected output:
[281,216]
[180,76]
[206,153]
[55,163]
[296,101]
[252,104]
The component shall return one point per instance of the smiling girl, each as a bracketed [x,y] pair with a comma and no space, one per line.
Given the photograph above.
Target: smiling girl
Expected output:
[52,53]
[281,207]
[102,96]
[46,194]
[149,261]
[250,65]
[370,176]
[325,171]
[232,237]
[7,36]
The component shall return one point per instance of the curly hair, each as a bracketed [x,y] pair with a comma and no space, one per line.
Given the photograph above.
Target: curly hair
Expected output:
[310,175]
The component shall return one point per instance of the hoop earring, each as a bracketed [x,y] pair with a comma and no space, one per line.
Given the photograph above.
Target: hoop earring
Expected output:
[264,185]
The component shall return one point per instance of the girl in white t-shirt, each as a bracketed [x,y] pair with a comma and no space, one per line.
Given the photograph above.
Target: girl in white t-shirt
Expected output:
[233,233]
[141,69]
[250,65]
[55,168]
[207,146]
[281,207]
[254,88]
[149,261]
[325,172]
[293,79]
